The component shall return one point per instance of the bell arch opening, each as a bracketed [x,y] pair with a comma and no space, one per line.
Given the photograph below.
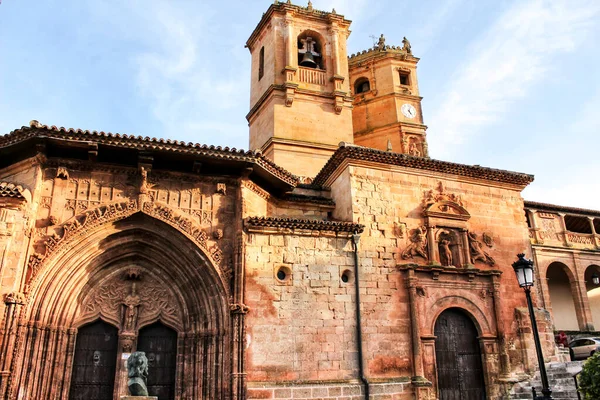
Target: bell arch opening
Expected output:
[561,297]
[136,274]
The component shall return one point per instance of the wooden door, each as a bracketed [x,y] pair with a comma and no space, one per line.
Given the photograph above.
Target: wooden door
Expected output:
[160,345]
[458,357]
[93,376]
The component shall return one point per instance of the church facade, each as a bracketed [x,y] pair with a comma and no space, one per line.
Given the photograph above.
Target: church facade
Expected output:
[334,260]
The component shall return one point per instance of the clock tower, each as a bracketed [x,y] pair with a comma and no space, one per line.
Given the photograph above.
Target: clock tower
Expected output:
[300,101]
[387,106]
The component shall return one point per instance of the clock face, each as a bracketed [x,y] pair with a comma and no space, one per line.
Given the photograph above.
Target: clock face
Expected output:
[409,110]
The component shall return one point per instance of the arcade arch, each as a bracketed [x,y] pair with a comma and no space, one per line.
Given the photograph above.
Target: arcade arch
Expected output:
[593,293]
[560,283]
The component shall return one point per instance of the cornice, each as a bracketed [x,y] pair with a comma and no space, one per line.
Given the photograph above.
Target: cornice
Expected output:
[553,207]
[348,152]
[76,137]
[305,12]
[299,226]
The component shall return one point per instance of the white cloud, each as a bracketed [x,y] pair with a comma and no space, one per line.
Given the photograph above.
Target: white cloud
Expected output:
[504,64]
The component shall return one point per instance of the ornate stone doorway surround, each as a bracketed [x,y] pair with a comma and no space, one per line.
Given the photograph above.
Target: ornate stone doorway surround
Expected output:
[130,268]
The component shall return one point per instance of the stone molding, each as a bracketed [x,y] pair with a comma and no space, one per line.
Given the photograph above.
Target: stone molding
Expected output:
[353,152]
[82,224]
[37,130]
[305,227]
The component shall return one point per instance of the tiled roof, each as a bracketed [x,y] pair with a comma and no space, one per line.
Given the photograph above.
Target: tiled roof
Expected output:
[348,151]
[11,190]
[293,223]
[146,143]
[557,208]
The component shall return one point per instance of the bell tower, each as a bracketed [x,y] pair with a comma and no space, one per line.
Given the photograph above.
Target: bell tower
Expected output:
[300,104]
[387,111]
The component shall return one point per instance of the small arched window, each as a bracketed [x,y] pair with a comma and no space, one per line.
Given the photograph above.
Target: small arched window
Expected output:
[261,63]
[361,85]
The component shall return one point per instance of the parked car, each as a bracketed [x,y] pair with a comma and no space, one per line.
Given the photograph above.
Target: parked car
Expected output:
[582,348]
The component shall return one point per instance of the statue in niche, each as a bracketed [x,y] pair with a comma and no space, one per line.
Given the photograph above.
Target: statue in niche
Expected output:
[137,371]
[144,180]
[418,245]
[445,253]
[477,252]
[406,45]
[413,150]
[131,305]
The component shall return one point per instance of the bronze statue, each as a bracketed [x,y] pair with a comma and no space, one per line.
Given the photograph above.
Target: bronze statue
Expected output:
[137,370]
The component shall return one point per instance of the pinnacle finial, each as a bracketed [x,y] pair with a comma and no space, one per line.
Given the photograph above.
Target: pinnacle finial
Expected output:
[389,145]
[310,7]
[333,11]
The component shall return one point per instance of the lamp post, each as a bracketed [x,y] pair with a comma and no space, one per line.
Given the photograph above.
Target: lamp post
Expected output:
[524,271]
[595,279]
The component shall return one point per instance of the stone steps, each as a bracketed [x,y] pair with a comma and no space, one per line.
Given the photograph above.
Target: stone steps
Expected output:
[560,377]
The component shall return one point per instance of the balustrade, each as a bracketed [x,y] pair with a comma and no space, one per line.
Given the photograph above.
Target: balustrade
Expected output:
[312,76]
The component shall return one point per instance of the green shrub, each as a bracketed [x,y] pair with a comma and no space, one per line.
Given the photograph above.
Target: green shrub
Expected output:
[589,378]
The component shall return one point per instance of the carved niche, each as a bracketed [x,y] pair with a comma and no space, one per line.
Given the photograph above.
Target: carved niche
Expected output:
[131,302]
[446,220]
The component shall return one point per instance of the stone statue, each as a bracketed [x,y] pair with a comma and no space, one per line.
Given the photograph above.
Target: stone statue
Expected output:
[418,246]
[137,370]
[381,43]
[413,150]
[406,45]
[477,253]
[445,252]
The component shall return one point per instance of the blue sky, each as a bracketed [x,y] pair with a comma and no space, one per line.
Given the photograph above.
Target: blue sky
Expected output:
[506,84]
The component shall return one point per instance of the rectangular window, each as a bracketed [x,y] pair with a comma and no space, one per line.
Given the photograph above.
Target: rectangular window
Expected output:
[261,63]
[404,78]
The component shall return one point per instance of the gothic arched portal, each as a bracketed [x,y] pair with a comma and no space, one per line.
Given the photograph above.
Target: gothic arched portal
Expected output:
[458,357]
[145,278]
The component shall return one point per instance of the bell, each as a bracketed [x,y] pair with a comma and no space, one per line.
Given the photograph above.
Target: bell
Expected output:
[308,60]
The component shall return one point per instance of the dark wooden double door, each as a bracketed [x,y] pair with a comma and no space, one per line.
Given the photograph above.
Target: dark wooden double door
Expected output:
[458,357]
[95,361]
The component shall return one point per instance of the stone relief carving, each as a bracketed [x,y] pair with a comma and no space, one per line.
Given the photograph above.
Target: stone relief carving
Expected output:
[431,197]
[83,223]
[549,229]
[132,302]
[418,245]
[477,252]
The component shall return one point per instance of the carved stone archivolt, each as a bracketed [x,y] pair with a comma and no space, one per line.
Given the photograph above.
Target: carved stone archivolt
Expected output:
[131,303]
[66,235]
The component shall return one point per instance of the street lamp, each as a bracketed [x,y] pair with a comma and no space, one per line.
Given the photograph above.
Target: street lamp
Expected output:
[595,279]
[524,271]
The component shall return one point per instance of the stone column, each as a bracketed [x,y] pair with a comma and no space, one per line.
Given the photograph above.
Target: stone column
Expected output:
[579,292]
[432,250]
[414,326]
[498,307]
[534,226]
[596,238]
[564,230]
[465,247]
[14,302]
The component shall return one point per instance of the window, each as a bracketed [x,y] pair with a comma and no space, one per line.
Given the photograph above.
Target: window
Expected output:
[261,63]
[361,85]
[404,77]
